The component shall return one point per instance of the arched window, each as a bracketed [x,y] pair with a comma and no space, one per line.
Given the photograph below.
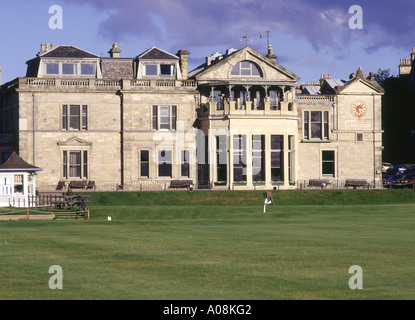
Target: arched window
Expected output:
[246,68]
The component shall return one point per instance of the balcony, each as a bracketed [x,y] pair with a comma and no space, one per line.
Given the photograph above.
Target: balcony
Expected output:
[105,84]
[315,98]
[248,108]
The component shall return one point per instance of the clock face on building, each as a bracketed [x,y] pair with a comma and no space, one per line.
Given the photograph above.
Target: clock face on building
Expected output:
[358,109]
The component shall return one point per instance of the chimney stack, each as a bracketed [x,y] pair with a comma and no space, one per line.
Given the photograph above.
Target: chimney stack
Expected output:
[182,54]
[324,77]
[115,51]
[271,54]
[413,54]
[42,49]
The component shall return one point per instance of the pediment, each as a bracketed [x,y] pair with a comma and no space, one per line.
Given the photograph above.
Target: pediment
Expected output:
[155,53]
[74,141]
[361,86]
[221,70]
[68,52]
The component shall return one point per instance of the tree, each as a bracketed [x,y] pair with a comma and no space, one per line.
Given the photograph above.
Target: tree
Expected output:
[382,75]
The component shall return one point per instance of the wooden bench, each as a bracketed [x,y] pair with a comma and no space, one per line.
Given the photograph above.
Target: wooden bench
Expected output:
[81,184]
[90,185]
[61,185]
[78,184]
[181,184]
[322,183]
[355,183]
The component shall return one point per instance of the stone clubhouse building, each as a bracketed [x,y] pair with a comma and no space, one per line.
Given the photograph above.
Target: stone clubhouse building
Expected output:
[238,121]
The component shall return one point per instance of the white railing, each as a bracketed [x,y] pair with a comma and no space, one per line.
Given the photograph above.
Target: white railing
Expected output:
[108,83]
[75,82]
[315,98]
[165,83]
[140,83]
[40,82]
[189,83]
[111,84]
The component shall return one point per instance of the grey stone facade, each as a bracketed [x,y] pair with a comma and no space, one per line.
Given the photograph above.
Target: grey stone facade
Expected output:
[238,121]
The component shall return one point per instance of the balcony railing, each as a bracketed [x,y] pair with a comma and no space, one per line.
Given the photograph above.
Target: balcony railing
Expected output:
[284,108]
[314,98]
[105,84]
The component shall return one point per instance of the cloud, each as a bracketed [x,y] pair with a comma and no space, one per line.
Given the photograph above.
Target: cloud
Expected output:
[191,23]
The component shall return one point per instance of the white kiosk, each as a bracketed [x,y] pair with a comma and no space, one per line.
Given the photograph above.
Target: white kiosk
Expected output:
[17,182]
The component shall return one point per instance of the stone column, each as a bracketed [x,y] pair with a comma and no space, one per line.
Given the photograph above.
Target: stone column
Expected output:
[285,159]
[267,162]
[248,159]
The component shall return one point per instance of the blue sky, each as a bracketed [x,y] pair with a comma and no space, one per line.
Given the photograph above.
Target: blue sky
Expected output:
[310,38]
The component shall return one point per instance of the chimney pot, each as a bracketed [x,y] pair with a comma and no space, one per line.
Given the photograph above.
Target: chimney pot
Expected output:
[42,49]
[115,51]
[271,54]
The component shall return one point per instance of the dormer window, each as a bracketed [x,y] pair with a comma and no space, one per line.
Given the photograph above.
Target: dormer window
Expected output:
[52,68]
[166,70]
[70,69]
[88,69]
[151,70]
[246,68]
[159,70]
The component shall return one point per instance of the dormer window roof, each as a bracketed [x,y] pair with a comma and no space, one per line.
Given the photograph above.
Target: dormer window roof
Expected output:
[157,63]
[64,61]
[68,52]
[156,54]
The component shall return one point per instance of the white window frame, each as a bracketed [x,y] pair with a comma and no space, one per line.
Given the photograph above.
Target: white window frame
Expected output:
[160,158]
[141,163]
[325,130]
[327,161]
[66,118]
[74,69]
[77,72]
[158,73]
[18,180]
[252,65]
[172,117]
[84,164]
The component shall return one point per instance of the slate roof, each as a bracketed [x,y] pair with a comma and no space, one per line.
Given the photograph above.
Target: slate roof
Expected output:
[156,53]
[15,163]
[333,83]
[329,85]
[311,90]
[68,52]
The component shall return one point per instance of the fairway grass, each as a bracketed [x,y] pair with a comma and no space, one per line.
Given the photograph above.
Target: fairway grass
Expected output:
[205,252]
